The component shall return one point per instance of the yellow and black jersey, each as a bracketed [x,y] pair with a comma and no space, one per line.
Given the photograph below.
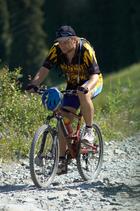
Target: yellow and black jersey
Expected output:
[83,64]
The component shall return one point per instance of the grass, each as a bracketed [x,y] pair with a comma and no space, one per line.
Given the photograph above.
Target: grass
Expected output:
[117,110]
[118,107]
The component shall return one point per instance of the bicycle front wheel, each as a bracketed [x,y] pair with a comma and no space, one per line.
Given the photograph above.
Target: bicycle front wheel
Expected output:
[89,160]
[44,156]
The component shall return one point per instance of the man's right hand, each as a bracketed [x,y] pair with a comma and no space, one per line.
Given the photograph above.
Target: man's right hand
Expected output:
[31,88]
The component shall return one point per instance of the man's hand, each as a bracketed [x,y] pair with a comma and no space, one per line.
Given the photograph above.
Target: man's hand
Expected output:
[83,89]
[31,88]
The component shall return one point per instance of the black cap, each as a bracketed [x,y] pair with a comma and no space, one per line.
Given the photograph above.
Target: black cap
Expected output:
[65,31]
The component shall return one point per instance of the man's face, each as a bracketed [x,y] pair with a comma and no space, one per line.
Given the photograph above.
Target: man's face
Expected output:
[67,44]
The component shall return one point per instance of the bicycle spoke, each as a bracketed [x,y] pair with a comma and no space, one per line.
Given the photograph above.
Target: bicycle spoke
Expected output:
[44,156]
[89,159]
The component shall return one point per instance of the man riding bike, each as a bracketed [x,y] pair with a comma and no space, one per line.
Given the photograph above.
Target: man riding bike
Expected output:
[76,58]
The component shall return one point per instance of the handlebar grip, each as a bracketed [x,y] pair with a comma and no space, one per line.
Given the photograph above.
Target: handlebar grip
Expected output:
[82,89]
[32,86]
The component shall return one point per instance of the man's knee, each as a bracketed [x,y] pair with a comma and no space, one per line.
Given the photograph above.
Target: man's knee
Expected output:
[84,97]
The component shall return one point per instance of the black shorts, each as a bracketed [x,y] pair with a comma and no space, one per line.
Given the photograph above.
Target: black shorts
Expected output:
[73,100]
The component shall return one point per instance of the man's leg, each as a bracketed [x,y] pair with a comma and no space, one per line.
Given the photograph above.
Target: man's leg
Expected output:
[87,112]
[62,139]
[62,168]
[87,107]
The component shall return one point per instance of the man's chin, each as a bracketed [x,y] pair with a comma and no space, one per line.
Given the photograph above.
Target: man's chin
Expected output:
[67,51]
[64,51]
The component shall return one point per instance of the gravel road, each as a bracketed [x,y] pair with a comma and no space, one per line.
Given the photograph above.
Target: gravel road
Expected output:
[116,188]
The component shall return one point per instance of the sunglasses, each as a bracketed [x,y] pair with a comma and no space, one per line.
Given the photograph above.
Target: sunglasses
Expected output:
[63,41]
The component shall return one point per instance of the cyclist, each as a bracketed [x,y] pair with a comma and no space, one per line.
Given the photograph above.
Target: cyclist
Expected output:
[76,58]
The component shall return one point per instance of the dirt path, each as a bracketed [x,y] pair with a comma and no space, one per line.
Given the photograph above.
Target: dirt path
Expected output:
[117,187]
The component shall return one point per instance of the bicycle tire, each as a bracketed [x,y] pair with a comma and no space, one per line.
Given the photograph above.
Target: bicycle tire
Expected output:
[82,162]
[43,173]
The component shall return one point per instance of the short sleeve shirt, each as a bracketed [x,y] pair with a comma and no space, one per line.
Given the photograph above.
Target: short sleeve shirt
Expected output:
[82,66]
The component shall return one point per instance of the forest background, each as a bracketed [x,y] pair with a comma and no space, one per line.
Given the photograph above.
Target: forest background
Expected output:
[27,30]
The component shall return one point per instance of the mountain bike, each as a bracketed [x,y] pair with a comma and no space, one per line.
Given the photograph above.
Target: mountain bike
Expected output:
[44,151]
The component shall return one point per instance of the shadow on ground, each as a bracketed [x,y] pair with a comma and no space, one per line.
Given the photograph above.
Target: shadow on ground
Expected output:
[106,189]
[13,188]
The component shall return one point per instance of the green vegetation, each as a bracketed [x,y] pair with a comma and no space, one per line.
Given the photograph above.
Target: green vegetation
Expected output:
[20,115]
[117,110]
[28,46]
[118,107]
[27,30]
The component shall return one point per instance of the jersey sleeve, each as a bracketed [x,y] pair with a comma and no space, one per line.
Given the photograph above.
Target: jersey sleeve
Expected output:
[90,60]
[51,59]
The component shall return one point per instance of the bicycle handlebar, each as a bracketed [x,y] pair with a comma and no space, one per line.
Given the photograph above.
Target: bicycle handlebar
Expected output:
[41,90]
[69,91]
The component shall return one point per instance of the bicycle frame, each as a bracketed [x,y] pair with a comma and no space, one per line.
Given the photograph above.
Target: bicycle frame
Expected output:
[72,140]
[75,137]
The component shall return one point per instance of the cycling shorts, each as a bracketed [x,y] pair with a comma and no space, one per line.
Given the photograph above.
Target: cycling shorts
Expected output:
[73,100]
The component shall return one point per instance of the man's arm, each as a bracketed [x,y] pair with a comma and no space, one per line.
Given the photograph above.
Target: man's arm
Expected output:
[40,76]
[91,82]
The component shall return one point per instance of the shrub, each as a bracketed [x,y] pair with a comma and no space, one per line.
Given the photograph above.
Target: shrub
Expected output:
[20,113]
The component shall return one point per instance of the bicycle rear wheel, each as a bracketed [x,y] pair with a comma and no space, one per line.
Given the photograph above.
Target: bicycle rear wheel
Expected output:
[44,156]
[89,160]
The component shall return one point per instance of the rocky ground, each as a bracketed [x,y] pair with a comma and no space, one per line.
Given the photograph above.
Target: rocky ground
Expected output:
[116,188]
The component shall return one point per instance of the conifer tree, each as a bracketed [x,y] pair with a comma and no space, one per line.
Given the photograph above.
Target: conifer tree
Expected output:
[28,44]
[135,20]
[4,32]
